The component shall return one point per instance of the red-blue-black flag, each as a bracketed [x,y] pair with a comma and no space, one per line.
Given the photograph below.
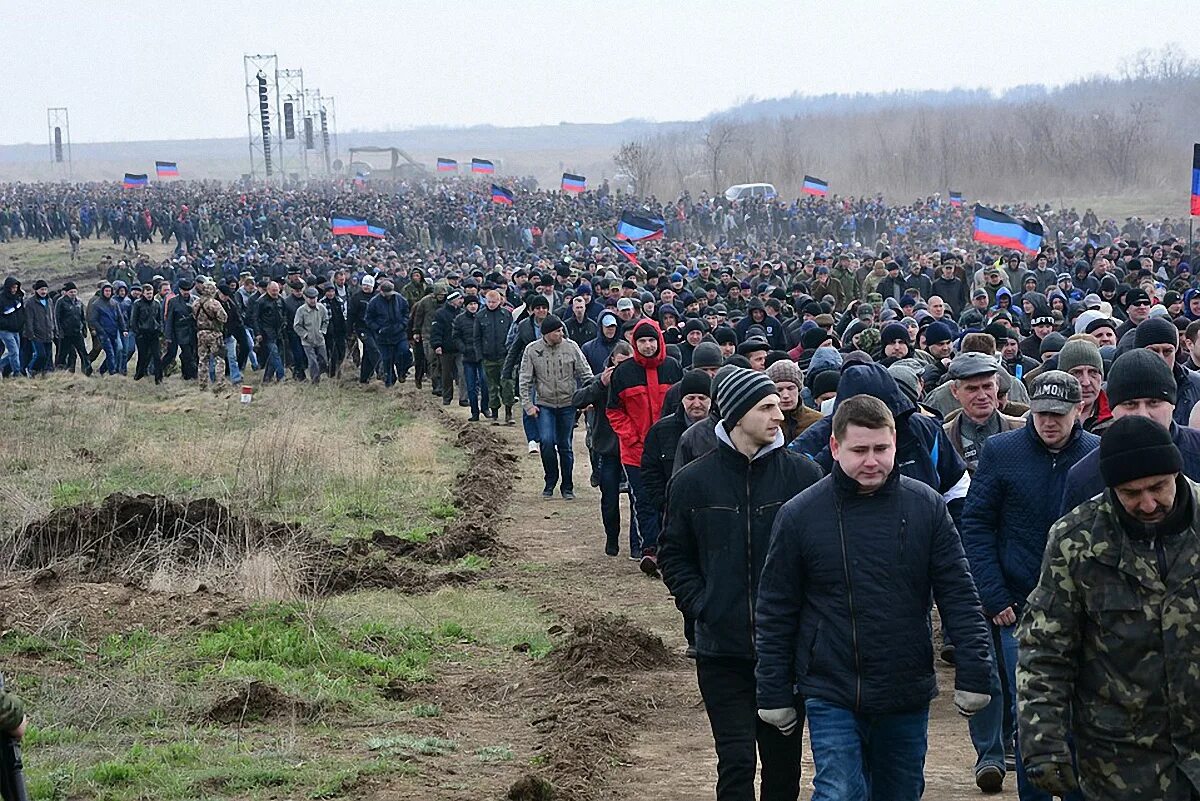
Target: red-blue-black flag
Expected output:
[637,228]
[482,166]
[447,165]
[166,169]
[996,228]
[815,186]
[502,195]
[625,248]
[573,183]
[956,198]
[133,180]
[1196,181]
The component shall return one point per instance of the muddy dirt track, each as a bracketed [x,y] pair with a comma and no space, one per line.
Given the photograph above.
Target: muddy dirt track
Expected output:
[659,745]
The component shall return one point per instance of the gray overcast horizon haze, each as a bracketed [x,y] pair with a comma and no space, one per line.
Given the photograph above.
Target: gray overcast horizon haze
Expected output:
[141,70]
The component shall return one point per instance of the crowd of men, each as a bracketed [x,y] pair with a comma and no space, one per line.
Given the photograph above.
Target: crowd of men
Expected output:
[827,415]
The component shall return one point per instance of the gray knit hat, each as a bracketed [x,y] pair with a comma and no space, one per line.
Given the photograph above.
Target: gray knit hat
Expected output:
[738,391]
[1080,353]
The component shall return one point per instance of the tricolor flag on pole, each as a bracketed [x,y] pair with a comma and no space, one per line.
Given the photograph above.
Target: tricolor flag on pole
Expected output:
[573,183]
[376,231]
[136,179]
[447,165]
[345,225]
[956,198]
[626,248]
[1195,182]
[996,228]
[166,169]
[482,166]
[815,186]
[502,195]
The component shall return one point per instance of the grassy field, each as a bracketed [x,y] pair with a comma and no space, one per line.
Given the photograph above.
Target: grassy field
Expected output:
[173,692]
[29,260]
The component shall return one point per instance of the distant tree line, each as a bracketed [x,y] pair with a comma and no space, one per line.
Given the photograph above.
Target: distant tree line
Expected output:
[1101,135]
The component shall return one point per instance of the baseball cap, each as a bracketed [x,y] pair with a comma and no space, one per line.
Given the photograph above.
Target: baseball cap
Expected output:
[1055,392]
[624,303]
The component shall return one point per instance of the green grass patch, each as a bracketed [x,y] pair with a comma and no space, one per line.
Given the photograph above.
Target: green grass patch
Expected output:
[302,653]
[425,711]
[406,745]
[67,649]
[472,563]
[500,619]
[494,753]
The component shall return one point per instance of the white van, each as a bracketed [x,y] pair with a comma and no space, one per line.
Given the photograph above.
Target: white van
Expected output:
[747,191]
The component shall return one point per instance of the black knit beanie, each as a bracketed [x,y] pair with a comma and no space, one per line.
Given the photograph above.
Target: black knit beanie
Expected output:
[1140,373]
[695,383]
[551,324]
[1137,447]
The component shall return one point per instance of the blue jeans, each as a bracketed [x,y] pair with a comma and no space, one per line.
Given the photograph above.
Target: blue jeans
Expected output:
[861,757]
[274,371]
[609,472]
[477,388]
[989,729]
[1007,636]
[128,344]
[235,372]
[111,343]
[12,352]
[555,427]
[647,515]
[249,343]
[41,361]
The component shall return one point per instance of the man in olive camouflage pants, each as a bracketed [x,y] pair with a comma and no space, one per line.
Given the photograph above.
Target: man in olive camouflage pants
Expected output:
[1110,638]
[210,333]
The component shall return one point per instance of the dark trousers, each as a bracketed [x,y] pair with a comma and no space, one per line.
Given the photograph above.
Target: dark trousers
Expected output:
[647,515]
[70,347]
[369,358]
[449,371]
[148,358]
[188,358]
[336,350]
[393,361]
[609,472]
[419,364]
[742,740]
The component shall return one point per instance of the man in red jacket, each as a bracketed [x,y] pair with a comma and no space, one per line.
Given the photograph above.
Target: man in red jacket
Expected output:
[635,400]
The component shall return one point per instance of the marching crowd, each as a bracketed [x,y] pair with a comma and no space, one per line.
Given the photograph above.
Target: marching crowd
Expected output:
[827,415]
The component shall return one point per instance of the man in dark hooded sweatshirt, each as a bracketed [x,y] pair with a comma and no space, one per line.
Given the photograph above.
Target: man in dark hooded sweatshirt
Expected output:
[12,324]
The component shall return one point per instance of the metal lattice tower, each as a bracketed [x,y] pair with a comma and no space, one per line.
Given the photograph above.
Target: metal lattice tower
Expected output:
[263,126]
[293,113]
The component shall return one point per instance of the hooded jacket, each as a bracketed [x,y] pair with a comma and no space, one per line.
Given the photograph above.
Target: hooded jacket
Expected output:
[598,350]
[636,393]
[12,306]
[923,451]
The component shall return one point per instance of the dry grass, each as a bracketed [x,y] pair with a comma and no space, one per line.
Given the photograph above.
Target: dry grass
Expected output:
[339,460]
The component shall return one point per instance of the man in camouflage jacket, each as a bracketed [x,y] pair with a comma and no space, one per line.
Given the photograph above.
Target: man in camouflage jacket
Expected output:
[1110,638]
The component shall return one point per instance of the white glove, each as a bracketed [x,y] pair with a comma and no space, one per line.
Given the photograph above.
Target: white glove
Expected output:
[782,719]
[969,703]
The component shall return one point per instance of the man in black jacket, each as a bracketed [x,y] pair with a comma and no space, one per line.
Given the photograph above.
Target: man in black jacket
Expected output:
[843,615]
[491,331]
[270,324]
[444,346]
[146,323]
[356,312]
[720,511]
[68,315]
[180,331]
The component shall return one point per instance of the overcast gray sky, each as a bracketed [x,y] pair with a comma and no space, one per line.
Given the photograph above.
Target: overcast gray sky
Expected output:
[146,69]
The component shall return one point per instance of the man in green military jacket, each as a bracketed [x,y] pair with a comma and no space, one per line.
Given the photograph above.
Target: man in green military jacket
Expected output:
[1110,638]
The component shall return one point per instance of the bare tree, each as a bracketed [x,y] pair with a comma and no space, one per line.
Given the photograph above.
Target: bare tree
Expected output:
[640,159]
[716,142]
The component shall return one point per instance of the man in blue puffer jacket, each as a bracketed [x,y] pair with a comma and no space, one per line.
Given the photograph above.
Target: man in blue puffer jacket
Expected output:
[1010,508]
[843,615]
